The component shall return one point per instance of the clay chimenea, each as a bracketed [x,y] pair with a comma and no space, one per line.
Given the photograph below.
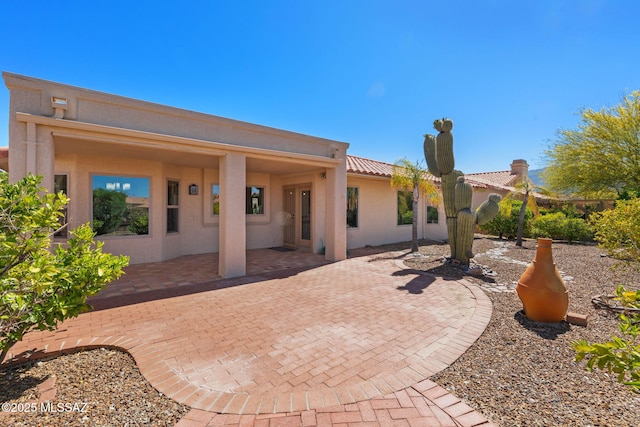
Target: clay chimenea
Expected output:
[541,289]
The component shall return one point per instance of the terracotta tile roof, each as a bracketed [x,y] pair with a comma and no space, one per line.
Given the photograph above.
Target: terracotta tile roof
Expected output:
[501,178]
[362,166]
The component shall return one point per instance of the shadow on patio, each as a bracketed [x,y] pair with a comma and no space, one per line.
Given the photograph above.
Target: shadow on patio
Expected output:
[191,274]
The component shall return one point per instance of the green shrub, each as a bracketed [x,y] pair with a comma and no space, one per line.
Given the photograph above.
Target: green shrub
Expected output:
[40,285]
[618,230]
[576,229]
[549,225]
[506,224]
[558,226]
[618,356]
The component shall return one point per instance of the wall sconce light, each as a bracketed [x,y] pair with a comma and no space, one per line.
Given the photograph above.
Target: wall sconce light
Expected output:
[59,105]
[323,175]
[193,190]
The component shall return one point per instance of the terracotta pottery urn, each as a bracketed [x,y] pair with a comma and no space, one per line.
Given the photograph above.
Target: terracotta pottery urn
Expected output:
[541,289]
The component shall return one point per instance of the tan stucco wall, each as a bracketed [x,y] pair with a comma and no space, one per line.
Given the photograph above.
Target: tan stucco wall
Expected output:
[104,134]
[377,216]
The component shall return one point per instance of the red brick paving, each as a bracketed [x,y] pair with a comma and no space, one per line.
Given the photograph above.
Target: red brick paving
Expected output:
[348,343]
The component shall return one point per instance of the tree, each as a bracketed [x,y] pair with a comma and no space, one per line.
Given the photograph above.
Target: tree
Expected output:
[40,285]
[505,223]
[412,177]
[526,190]
[599,159]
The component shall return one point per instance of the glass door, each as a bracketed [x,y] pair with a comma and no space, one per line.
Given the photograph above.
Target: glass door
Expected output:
[289,208]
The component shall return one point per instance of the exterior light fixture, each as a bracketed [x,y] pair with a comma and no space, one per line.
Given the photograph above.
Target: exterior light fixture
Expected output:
[193,190]
[59,105]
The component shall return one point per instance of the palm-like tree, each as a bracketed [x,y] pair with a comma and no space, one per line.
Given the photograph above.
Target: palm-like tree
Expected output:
[524,189]
[413,177]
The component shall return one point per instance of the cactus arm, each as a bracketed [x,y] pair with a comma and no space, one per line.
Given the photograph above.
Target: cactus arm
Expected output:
[444,152]
[464,234]
[430,154]
[464,194]
[488,209]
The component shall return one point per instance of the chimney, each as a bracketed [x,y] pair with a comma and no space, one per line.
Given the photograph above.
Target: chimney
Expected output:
[520,167]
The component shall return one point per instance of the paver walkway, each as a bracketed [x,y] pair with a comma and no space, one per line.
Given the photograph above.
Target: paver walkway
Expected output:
[352,342]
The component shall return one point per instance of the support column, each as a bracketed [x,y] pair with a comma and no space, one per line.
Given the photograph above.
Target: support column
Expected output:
[336,213]
[233,228]
[45,159]
[31,142]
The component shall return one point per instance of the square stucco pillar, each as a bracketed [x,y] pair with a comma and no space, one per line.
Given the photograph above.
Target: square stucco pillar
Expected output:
[233,230]
[336,213]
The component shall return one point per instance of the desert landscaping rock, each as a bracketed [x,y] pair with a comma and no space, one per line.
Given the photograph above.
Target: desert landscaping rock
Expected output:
[518,373]
[523,373]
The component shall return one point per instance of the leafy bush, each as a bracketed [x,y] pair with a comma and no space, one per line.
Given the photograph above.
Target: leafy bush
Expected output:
[505,224]
[576,229]
[618,231]
[618,356]
[40,287]
[549,225]
[558,226]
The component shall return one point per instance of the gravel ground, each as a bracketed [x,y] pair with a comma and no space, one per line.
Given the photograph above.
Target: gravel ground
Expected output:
[108,381]
[519,373]
[522,373]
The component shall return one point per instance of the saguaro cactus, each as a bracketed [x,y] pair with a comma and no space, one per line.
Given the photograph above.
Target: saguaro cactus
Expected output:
[457,194]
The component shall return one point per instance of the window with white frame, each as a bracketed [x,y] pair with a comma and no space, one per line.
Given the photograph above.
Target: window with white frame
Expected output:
[120,205]
[60,184]
[352,207]
[405,207]
[432,214]
[215,199]
[255,200]
[172,206]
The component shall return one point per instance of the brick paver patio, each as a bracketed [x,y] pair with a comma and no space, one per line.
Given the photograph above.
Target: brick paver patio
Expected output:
[302,343]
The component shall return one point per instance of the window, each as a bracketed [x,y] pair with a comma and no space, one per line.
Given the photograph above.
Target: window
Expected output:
[60,186]
[172,206]
[432,214]
[120,205]
[352,207]
[405,207]
[255,201]
[215,199]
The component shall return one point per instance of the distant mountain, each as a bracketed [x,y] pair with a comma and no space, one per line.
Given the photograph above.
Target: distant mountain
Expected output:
[534,175]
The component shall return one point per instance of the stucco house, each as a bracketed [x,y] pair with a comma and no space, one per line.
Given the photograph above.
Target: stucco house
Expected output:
[159,182]
[378,221]
[211,184]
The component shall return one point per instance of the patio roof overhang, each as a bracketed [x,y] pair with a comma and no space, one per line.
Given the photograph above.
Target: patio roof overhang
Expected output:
[70,136]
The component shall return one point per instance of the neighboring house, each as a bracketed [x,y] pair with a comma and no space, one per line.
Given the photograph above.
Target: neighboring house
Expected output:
[159,182]
[4,158]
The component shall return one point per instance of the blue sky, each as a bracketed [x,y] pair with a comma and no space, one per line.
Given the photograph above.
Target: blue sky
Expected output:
[371,73]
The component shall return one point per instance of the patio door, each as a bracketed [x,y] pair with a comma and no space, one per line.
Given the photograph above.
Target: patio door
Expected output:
[297,217]
[305,217]
[289,236]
